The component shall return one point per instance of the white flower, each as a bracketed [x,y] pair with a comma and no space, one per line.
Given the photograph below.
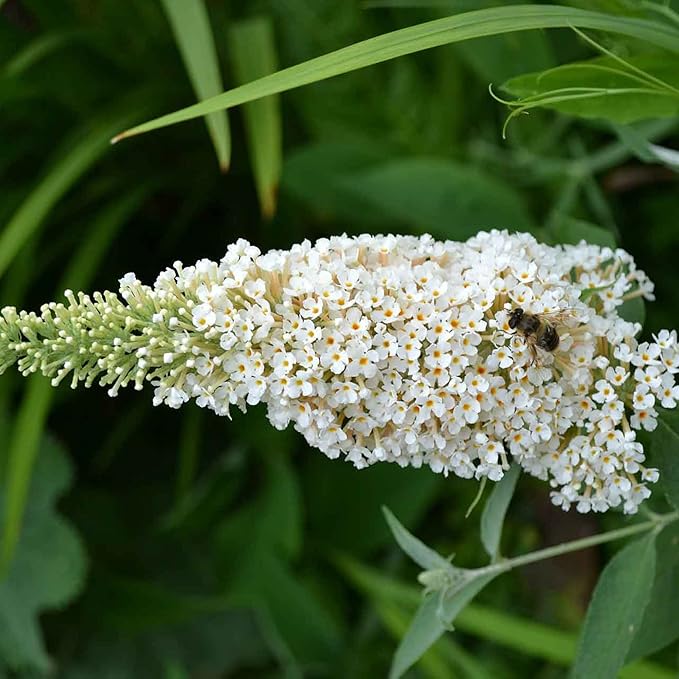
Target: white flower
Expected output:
[668,392]
[391,349]
[203,316]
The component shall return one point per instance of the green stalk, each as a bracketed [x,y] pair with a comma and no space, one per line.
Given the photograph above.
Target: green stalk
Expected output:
[656,523]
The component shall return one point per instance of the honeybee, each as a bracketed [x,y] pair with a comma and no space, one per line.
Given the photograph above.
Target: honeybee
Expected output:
[537,329]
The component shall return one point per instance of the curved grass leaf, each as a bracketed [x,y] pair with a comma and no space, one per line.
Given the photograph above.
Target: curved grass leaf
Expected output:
[253,55]
[38,49]
[79,153]
[398,43]
[23,447]
[422,555]
[495,509]
[641,87]
[191,27]
[21,453]
[86,259]
[616,611]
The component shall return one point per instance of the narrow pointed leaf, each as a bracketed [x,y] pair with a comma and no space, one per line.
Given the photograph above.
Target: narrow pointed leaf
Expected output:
[522,635]
[191,27]
[495,509]
[422,555]
[253,55]
[616,610]
[425,628]
[660,625]
[457,28]
[428,624]
[442,657]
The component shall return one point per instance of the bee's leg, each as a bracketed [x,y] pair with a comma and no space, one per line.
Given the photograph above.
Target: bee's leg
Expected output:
[534,354]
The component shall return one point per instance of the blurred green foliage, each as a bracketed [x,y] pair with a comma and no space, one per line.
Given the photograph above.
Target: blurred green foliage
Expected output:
[224,548]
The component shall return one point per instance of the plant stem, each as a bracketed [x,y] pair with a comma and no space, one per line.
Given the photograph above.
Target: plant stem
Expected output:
[566,547]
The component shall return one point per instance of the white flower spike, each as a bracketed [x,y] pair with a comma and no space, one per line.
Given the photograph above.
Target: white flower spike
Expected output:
[391,348]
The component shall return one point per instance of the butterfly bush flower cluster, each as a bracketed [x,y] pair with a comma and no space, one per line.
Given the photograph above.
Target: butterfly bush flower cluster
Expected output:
[391,349]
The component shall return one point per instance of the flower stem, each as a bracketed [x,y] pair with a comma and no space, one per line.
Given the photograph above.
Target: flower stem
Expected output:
[656,523]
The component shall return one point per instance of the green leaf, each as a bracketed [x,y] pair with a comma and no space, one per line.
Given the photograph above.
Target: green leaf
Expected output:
[616,611]
[664,445]
[48,569]
[316,174]
[571,231]
[78,153]
[424,629]
[132,606]
[408,492]
[633,310]
[191,27]
[604,88]
[493,21]
[26,433]
[442,658]
[254,548]
[499,627]
[273,520]
[660,625]
[37,50]
[209,645]
[441,197]
[494,511]
[430,621]
[22,449]
[422,555]
[188,452]
[291,610]
[253,55]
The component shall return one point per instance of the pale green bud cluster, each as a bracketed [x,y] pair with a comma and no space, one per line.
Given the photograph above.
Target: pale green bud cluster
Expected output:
[102,338]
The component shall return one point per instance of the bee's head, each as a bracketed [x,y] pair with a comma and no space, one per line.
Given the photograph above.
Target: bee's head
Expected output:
[515,317]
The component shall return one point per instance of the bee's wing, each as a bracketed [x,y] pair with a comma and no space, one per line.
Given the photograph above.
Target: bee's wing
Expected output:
[560,316]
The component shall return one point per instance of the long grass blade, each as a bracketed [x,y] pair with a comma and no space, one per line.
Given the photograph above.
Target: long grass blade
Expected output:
[191,27]
[30,421]
[398,43]
[253,55]
[79,153]
[38,49]
[23,448]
